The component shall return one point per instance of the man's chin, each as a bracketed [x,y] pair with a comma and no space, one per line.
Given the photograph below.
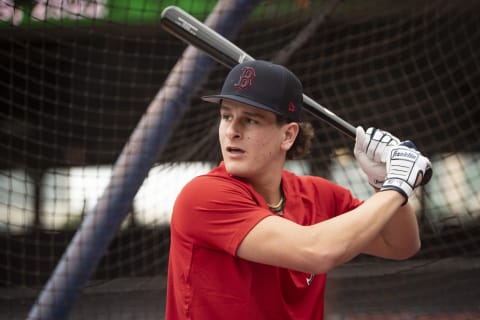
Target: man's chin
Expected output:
[237,171]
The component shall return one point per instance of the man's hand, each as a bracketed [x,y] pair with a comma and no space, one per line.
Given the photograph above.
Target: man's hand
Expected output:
[406,169]
[371,151]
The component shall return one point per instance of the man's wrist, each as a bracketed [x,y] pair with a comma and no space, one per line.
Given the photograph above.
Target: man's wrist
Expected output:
[396,196]
[400,186]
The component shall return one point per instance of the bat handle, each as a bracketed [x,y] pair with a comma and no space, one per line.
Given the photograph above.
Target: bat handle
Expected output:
[328,116]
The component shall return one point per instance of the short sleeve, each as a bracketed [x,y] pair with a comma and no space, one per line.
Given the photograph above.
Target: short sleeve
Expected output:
[216,212]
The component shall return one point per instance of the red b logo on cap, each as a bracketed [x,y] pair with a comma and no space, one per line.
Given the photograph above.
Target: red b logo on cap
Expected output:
[246,78]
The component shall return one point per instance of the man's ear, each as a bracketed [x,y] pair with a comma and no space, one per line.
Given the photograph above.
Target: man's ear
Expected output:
[290,134]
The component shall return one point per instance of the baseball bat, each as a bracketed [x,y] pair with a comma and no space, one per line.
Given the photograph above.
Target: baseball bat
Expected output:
[187,28]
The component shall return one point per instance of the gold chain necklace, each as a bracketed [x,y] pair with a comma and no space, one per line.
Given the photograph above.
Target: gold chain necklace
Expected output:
[277,208]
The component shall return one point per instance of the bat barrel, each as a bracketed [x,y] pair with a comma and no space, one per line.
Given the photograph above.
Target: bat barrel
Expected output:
[192,31]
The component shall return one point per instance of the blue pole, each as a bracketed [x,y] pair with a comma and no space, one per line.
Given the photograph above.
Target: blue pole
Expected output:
[139,154]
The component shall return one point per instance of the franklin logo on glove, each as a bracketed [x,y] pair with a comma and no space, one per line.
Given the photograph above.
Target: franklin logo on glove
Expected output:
[404,155]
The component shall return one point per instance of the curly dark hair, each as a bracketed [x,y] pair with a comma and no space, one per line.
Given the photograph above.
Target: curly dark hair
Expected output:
[303,142]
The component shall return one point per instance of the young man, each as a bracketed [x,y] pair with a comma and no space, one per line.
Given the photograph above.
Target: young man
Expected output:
[250,240]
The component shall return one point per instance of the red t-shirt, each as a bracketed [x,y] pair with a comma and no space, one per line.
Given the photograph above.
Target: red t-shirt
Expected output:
[211,216]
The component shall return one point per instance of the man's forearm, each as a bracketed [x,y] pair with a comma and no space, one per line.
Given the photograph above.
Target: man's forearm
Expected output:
[401,233]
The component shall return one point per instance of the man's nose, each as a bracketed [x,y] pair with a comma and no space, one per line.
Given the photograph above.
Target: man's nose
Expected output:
[233,129]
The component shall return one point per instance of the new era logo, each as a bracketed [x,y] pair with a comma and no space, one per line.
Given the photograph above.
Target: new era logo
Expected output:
[291,107]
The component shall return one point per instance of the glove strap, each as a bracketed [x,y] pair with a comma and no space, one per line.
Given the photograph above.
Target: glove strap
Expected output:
[398,185]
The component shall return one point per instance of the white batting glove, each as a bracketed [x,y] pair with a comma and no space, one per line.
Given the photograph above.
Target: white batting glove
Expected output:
[406,168]
[371,151]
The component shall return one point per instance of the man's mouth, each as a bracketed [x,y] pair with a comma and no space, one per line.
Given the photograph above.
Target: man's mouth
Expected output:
[235,150]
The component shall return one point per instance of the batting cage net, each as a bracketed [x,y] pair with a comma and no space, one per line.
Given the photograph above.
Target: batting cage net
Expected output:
[78,77]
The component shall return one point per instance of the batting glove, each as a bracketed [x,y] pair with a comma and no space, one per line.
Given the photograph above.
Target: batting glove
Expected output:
[371,151]
[406,168]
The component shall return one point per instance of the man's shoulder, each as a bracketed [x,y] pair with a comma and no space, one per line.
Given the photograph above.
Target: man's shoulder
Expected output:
[311,183]
[216,179]
[293,178]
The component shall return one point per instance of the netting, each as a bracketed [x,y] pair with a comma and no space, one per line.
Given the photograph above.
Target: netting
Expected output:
[76,77]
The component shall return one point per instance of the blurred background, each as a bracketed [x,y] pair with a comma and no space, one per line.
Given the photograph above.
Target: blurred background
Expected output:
[77,76]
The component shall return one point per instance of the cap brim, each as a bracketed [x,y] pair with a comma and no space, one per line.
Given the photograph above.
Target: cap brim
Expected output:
[219,97]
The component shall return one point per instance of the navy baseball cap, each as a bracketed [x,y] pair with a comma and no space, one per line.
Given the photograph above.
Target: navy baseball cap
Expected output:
[263,85]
